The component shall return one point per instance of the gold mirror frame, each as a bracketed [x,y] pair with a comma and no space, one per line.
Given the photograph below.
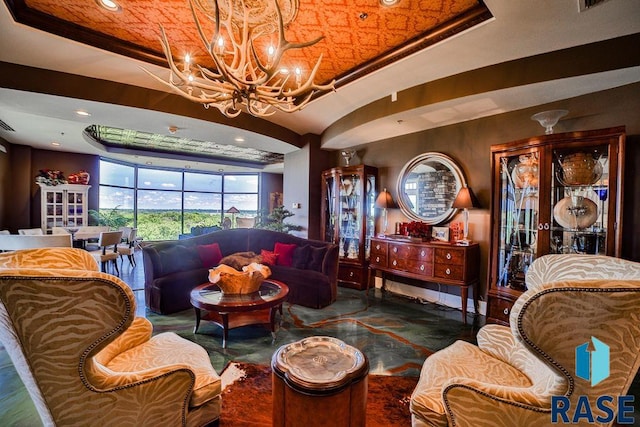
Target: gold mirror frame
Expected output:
[430,210]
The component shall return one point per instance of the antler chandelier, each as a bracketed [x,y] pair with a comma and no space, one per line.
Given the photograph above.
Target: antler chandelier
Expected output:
[241,77]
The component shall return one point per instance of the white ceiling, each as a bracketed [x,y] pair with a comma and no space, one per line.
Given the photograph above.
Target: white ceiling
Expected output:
[519,29]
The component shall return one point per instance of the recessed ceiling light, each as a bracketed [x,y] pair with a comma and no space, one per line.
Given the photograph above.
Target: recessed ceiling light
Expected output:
[238,139]
[110,5]
[388,3]
[83,113]
[55,144]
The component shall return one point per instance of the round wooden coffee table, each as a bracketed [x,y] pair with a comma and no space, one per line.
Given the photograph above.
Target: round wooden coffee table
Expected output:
[231,311]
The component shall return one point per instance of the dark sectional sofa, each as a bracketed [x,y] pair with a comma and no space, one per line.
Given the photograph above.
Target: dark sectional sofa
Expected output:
[173,268]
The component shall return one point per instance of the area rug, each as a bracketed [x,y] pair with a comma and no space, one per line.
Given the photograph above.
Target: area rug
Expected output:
[246,398]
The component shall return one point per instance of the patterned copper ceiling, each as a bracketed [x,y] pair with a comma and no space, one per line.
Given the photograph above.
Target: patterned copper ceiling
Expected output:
[353,44]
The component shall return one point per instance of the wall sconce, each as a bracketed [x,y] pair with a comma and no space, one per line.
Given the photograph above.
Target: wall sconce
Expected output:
[384,201]
[465,200]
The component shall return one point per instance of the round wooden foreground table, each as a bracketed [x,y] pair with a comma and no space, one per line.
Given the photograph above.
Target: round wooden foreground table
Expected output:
[231,311]
[319,381]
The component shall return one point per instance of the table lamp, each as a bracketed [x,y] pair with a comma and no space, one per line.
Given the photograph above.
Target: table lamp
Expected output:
[384,202]
[465,200]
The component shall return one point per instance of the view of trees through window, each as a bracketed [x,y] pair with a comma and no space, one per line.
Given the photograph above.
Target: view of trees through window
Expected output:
[163,204]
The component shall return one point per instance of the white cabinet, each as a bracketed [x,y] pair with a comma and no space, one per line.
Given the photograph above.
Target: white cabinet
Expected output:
[63,206]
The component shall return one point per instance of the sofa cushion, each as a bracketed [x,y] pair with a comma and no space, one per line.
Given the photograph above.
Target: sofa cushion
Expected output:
[268,257]
[179,258]
[210,255]
[285,253]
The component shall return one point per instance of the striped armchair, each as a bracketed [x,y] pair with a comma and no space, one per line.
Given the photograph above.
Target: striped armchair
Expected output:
[85,358]
[510,377]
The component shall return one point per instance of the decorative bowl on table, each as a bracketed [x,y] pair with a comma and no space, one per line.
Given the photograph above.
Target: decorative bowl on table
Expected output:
[232,281]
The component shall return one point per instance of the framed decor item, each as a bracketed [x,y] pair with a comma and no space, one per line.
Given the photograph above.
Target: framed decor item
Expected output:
[440,234]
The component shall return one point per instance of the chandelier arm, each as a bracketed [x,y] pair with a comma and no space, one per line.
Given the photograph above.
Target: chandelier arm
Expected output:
[201,34]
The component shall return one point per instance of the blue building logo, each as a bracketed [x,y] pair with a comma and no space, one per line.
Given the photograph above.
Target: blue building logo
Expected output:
[592,361]
[592,364]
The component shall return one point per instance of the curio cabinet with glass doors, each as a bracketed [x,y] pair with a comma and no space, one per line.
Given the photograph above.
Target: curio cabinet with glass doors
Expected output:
[552,194]
[348,219]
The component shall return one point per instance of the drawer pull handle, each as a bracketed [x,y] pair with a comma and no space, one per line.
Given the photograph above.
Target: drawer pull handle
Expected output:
[448,271]
[378,247]
[448,255]
[351,274]
[395,250]
[377,259]
[422,253]
[395,262]
[422,267]
[505,311]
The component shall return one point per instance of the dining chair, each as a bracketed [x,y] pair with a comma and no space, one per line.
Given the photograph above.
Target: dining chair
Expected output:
[128,248]
[30,231]
[108,249]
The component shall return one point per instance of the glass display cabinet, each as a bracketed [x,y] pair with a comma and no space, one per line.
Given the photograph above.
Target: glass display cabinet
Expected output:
[348,219]
[558,193]
[63,205]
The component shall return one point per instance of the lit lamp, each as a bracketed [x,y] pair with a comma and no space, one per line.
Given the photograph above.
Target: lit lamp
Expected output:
[233,211]
[384,202]
[465,200]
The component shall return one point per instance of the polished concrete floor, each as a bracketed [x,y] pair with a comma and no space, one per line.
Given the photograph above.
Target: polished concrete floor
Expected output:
[394,332]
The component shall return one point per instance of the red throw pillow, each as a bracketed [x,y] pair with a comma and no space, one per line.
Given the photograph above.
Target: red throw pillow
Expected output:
[210,255]
[285,253]
[268,257]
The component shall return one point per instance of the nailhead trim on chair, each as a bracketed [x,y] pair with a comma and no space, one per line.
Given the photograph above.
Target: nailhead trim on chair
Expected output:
[538,350]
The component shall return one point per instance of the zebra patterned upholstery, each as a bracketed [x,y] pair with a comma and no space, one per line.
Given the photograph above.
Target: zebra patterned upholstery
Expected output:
[510,377]
[85,358]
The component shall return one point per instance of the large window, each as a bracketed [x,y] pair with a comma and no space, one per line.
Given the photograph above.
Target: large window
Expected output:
[166,203]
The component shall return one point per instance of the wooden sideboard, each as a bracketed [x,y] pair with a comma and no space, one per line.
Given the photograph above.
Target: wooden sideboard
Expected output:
[430,262]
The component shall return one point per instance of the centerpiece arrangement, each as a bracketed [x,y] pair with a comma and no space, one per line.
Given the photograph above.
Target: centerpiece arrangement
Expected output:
[232,281]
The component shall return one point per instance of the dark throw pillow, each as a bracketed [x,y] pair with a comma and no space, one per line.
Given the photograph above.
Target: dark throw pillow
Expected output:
[301,257]
[268,257]
[210,255]
[316,258]
[285,253]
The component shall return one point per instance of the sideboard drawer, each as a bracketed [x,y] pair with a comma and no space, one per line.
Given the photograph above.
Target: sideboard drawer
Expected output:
[451,272]
[378,248]
[378,260]
[397,263]
[408,251]
[450,256]
[419,267]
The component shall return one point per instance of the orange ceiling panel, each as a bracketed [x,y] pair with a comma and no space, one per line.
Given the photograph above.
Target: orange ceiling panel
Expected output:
[356,32]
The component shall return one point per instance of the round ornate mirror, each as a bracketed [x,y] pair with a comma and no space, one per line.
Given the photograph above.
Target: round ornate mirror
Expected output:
[427,186]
